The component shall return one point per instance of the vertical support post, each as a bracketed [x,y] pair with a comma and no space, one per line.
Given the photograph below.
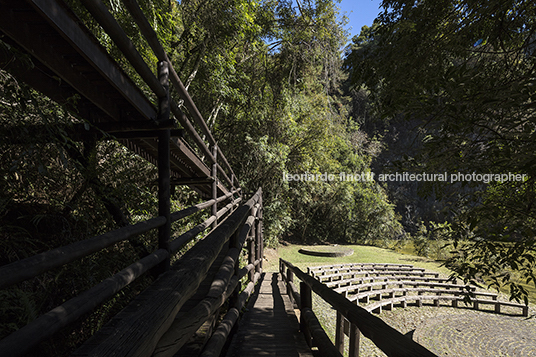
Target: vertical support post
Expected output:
[164,191]
[306,302]
[251,252]
[290,279]
[259,234]
[339,333]
[215,183]
[354,341]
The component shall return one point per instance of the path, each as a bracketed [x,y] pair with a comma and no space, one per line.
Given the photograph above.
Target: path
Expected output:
[270,327]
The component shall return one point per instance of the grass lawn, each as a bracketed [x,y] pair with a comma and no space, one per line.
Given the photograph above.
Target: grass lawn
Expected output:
[362,254]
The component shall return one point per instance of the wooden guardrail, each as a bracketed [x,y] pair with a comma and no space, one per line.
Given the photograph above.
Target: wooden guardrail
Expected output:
[145,124]
[50,323]
[389,340]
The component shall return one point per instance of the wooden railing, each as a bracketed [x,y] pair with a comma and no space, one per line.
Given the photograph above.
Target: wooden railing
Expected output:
[244,223]
[147,125]
[386,338]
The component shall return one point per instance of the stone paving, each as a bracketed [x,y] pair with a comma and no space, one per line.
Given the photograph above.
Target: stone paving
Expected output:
[461,332]
[478,334]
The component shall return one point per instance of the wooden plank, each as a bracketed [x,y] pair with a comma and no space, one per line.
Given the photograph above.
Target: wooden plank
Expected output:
[82,40]
[270,327]
[154,310]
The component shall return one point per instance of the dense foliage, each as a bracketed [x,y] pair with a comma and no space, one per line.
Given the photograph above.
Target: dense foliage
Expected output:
[271,87]
[463,72]
[266,76]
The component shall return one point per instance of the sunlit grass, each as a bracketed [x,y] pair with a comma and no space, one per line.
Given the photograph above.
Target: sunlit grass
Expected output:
[362,254]
[370,254]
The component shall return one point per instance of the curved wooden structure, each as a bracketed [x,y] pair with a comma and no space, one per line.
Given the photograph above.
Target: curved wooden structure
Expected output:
[402,284]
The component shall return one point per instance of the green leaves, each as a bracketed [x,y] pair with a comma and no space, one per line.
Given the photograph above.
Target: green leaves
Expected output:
[463,70]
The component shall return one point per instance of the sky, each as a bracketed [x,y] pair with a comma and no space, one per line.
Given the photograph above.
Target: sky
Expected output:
[359,13]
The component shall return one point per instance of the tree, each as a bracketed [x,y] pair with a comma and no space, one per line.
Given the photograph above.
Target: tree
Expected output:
[465,70]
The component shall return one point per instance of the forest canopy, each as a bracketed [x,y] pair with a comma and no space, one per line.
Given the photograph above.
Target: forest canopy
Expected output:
[463,73]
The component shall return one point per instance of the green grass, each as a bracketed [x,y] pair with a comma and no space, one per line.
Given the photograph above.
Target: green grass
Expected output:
[369,254]
[362,254]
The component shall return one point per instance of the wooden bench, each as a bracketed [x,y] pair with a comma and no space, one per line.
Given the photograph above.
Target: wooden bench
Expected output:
[407,281]
[377,307]
[378,293]
[400,281]
[337,272]
[378,275]
[334,266]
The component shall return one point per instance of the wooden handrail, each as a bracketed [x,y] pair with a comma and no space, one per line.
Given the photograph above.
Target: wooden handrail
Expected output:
[113,29]
[188,268]
[386,338]
[219,337]
[24,269]
[166,295]
[150,35]
[221,288]
[48,324]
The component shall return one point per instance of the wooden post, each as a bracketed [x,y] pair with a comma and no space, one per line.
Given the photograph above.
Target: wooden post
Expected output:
[164,192]
[290,279]
[339,333]
[306,302]
[215,183]
[251,258]
[259,234]
[355,335]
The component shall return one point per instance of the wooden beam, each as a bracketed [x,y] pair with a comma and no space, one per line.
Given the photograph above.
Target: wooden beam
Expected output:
[48,324]
[113,127]
[46,58]
[221,288]
[119,37]
[30,267]
[192,181]
[85,43]
[143,134]
[154,310]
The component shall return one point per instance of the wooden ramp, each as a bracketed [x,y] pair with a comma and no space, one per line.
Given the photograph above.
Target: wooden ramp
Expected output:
[269,327]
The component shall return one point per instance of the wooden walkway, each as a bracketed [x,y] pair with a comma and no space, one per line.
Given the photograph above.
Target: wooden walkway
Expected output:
[270,327]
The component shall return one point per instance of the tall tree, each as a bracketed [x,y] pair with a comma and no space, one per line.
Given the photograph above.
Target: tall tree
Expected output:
[466,70]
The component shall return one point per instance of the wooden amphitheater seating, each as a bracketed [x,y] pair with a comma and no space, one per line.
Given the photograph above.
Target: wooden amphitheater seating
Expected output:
[393,284]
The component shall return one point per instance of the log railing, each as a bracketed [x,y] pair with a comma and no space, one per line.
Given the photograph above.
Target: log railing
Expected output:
[48,324]
[154,129]
[386,338]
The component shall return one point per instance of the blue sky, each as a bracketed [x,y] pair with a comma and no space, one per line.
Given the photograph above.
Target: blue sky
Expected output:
[359,13]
